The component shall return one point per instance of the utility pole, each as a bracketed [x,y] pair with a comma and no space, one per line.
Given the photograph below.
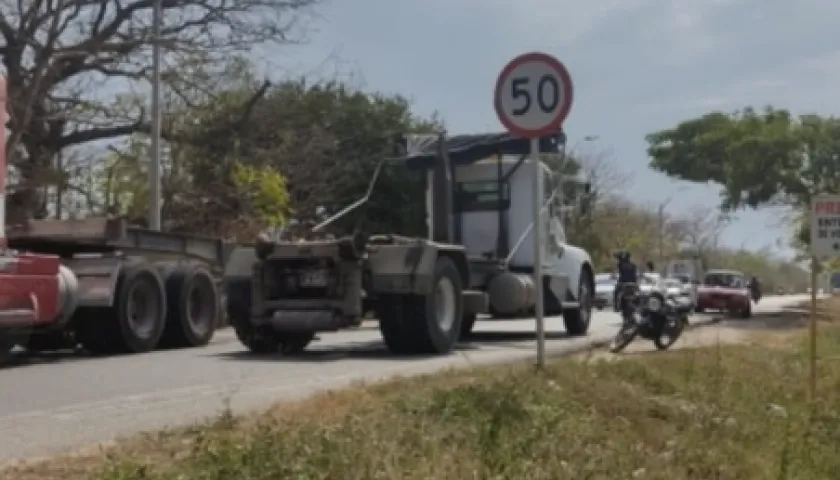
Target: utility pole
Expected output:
[660,257]
[660,216]
[155,163]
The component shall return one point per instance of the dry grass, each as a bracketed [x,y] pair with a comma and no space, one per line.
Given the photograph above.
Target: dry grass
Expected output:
[725,412]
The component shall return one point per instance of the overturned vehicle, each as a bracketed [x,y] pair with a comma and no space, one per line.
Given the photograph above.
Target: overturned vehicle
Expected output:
[425,292]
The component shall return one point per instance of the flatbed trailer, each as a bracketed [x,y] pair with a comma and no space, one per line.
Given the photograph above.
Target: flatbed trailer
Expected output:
[108,287]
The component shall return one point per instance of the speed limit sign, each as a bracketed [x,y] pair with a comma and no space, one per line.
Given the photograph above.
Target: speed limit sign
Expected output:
[533,98]
[533,95]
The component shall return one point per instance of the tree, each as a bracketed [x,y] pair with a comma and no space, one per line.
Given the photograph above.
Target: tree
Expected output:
[325,139]
[700,230]
[59,55]
[758,158]
[606,184]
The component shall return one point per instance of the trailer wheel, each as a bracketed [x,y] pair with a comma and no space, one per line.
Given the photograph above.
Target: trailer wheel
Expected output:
[266,341]
[412,324]
[238,304]
[192,307]
[136,322]
[577,320]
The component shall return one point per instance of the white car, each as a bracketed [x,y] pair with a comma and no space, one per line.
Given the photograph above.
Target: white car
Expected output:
[604,290]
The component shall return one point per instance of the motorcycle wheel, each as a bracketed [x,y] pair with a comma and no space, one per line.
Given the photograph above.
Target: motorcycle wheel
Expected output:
[623,338]
[670,333]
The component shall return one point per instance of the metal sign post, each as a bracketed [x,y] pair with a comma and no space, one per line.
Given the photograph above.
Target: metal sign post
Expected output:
[532,99]
[812,333]
[825,242]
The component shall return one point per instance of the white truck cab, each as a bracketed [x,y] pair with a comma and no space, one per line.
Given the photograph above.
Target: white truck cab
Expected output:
[492,218]
[687,265]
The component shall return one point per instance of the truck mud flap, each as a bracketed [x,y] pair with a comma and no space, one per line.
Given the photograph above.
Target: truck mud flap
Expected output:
[97,277]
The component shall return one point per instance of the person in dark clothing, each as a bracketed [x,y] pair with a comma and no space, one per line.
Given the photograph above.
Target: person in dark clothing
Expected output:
[627,273]
[755,288]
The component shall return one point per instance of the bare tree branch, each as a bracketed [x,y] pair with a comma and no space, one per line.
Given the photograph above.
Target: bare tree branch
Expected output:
[54,49]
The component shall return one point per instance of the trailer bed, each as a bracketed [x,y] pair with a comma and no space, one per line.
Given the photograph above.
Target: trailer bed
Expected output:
[101,235]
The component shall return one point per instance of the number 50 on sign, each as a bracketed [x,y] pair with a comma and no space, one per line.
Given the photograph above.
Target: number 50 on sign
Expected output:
[533,95]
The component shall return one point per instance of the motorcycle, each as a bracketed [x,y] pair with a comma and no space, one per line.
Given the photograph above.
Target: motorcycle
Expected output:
[656,316]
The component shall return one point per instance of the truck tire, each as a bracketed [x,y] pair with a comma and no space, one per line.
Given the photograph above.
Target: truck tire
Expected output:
[577,320]
[262,340]
[135,323]
[414,324]
[192,307]
[239,315]
[265,341]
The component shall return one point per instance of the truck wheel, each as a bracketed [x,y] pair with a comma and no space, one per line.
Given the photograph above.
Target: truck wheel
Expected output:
[192,307]
[136,321]
[292,344]
[239,314]
[467,324]
[266,341]
[412,324]
[577,320]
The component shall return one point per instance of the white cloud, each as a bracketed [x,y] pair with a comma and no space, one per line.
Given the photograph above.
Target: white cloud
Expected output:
[554,21]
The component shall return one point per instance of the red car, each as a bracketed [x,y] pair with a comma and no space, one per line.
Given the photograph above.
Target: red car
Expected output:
[725,290]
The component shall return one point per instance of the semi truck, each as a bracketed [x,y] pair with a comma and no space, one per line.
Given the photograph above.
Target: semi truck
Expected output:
[103,284]
[426,292]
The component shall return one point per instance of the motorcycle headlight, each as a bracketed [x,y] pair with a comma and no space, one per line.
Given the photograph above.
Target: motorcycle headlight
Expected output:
[654,303]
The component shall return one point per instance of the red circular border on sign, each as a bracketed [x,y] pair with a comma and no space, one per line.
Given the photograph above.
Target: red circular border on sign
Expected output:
[566,79]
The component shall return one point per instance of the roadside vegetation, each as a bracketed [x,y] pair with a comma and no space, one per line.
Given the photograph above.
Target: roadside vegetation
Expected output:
[726,412]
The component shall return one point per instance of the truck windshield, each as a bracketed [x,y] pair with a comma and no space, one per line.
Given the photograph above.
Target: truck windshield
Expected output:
[482,196]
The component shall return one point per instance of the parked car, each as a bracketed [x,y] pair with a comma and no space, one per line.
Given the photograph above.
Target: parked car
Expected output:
[604,290]
[725,290]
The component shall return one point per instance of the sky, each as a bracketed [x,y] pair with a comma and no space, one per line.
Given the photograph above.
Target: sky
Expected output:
[637,65]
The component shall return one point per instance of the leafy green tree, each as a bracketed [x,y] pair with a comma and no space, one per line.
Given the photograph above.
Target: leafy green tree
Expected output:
[589,216]
[759,158]
[326,139]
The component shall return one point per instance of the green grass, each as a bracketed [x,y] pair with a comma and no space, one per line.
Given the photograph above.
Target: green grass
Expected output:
[735,412]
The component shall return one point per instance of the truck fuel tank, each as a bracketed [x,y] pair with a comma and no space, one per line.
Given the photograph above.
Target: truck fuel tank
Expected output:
[511,292]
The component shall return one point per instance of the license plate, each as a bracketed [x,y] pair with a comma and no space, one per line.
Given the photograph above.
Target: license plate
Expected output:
[314,278]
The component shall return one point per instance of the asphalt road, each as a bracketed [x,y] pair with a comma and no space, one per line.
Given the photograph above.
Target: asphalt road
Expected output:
[53,404]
